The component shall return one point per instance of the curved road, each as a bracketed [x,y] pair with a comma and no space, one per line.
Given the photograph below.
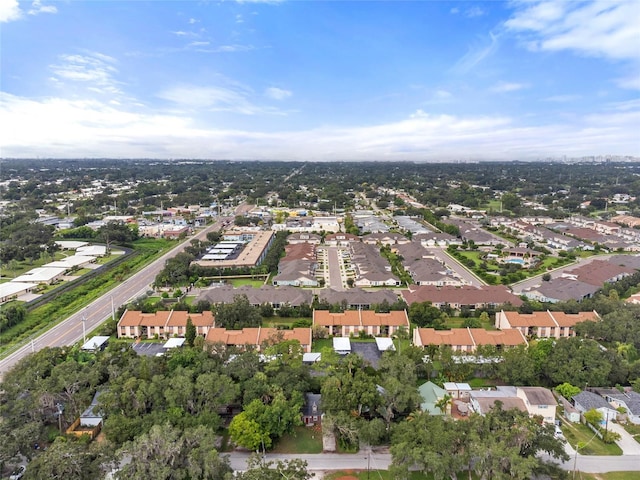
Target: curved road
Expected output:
[70,331]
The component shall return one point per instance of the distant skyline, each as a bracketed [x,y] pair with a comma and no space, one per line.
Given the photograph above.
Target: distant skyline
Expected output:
[310,80]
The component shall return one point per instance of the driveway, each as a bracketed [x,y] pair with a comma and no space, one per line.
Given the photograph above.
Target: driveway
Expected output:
[335,270]
[627,443]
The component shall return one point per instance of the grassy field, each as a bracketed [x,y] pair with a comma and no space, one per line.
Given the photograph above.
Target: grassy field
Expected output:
[303,440]
[577,433]
[385,475]
[633,430]
[240,282]
[608,476]
[283,322]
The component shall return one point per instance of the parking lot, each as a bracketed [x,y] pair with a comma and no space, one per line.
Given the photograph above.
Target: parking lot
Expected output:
[149,349]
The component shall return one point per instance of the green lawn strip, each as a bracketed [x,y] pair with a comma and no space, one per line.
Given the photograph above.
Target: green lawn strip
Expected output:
[577,433]
[608,476]
[69,302]
[240,282]
[321,343]
[275,321]
[385,475]
[634,430]
[302,440]
[458,322]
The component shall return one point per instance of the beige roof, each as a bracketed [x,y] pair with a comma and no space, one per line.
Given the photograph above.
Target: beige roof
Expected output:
[488,403]
[256,336]
[538,395]
[132,318]
[179,318]
[360,318]
[535,319]
[395,318]
[569,319]
[470,337]
[497,337]
[455,336]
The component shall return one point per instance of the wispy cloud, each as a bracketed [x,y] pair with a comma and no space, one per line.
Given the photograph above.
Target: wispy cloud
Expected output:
[93,69]
[235,99]
[10,10]
[562,98]
[504,87]
[471,12]
[277,93]
[37,7]
[477,53]
[597,28]
[198,44]
[84,128]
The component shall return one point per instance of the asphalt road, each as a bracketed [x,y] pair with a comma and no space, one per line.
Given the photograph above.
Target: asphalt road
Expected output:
[70,331]
[453,264]
[381,461]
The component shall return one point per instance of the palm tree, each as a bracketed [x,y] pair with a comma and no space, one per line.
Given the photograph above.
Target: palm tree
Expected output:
[444,404]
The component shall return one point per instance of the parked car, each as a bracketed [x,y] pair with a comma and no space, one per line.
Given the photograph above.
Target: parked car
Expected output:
[558,433]
[18,473]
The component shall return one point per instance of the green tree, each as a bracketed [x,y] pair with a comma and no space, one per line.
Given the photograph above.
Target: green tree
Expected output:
[248,433]
[190,332]
[166,453]
[567,390]
[237,315]
[258,469]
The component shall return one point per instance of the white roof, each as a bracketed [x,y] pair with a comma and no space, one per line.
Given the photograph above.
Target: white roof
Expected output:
[341,344]
[311,357]
[69,262]
[174,343]
[70,244]
[93,250]
[40,274]
[7,289]
[94,343]
[456,386]
[385,344]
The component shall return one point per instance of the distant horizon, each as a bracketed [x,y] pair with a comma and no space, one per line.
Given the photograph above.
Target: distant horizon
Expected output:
[272,80]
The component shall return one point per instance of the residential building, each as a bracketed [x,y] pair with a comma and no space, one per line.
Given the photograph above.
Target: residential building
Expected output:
[257,337]
[467,339]
[352,322]
[544,324]
[432,395]
[465,297]
[163,324]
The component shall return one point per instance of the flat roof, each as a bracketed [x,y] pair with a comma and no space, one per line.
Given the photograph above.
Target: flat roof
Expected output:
[174,343]
[7,289]
[69,262]
[40,274]
[70,244]
[385,344]
[341,344]
[95,343]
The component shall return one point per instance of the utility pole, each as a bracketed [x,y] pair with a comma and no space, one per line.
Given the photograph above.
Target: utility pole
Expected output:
[84,329]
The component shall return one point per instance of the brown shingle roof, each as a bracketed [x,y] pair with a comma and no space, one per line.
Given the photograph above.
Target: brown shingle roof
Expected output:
[465,295]
[497,337]
[132,318]
[179,318]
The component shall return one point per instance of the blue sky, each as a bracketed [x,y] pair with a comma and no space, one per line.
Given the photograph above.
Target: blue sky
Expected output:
[303,80]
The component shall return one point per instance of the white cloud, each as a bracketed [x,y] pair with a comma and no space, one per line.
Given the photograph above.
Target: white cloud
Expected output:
[454,11]
[192,21]
[9,10]
[37,7]
[94,69]
[598,28]
[504,87]
[562,98]
[476,54]
[198,44]
[85,128]
[235,99]
[473,12]
[277,93]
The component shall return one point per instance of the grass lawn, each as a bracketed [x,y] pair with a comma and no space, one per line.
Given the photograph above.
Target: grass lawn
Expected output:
[321,343]
[608,476]
[482,382]
[633,430]
[276,321]
[457,322]
[385,475]
[577,433]
[239,282]
[302,440]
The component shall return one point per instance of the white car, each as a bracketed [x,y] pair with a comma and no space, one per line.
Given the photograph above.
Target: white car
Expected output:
[18,473]
[558,433]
